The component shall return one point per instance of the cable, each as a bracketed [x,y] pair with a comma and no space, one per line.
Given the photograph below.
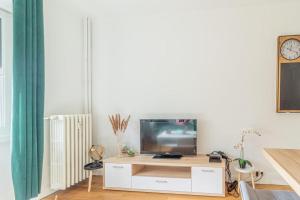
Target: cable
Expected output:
[231,185]
[257,178]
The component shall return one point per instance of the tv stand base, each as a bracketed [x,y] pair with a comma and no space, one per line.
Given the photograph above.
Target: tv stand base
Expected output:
[193,175]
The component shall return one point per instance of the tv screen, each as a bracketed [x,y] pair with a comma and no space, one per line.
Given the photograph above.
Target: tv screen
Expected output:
[168,136]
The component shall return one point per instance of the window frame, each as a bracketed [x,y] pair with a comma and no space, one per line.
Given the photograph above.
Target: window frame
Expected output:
[6,43]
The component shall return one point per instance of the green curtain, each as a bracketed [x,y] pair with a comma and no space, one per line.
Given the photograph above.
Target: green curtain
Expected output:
[28,98]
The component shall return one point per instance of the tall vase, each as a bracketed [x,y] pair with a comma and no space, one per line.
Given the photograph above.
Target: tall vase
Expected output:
[119,143]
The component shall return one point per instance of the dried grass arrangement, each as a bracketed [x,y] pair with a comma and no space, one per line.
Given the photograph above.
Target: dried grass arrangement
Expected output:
[118,124]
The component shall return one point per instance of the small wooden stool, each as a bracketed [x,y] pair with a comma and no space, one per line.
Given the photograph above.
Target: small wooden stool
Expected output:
[247,170]
[91,167]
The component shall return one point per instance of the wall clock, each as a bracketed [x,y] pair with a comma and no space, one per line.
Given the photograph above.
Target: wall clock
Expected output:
[288,74]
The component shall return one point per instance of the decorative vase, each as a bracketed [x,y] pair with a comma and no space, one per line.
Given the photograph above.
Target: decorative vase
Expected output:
[119,143]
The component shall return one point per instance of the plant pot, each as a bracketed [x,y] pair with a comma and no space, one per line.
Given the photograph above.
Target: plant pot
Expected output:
[242,164]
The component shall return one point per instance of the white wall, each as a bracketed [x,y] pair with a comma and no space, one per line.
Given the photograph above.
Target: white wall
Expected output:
[215,60]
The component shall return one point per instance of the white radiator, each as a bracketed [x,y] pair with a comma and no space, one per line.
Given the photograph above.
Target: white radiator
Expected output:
[70,141]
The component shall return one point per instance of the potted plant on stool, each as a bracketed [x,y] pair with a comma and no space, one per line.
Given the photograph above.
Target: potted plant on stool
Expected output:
[241,160]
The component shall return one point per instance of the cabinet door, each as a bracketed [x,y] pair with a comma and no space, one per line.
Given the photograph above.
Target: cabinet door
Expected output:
[207,180]
[117,175]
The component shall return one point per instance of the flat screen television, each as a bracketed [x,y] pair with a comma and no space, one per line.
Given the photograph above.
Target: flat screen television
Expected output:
[164,136]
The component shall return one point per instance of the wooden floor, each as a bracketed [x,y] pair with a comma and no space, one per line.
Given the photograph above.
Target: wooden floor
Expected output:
[79,192]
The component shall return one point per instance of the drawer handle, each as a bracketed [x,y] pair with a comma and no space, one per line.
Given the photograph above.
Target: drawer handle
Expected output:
[159,181]
[208,170]
[118,167]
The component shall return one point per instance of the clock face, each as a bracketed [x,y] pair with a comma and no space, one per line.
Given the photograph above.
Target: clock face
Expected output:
[290,49]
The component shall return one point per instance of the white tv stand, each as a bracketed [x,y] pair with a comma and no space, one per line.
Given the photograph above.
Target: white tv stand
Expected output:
[189,175]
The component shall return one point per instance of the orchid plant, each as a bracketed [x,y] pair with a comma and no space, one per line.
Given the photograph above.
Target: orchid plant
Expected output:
[240,146]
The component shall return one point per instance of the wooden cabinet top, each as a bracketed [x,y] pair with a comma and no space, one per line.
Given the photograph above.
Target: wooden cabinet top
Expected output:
[186,161]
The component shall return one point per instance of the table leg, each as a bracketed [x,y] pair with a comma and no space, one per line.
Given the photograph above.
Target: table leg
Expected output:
[252,179]
[90,181]
[239,179]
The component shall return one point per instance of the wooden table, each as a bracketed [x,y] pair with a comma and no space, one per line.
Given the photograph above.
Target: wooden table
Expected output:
[287,163]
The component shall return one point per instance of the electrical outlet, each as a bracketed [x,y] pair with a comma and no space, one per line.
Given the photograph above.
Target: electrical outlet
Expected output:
[259,173]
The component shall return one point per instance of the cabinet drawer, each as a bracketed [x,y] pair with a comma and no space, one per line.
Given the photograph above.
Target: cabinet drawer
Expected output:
[117,175]
[207,180]
[163,184]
